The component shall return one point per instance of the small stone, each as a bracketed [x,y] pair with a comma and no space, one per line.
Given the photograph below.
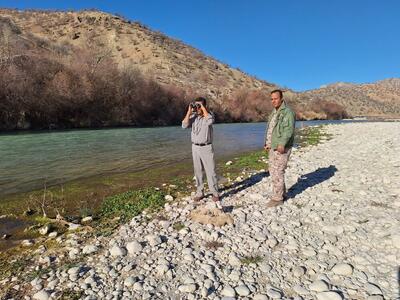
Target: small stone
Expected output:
[274,294]
[27,243]
[44,230]
[130,281]
[41,295]
[164,224]
[52,284]
[299,271]
[271,242]
[329,296]
[319,286]
[373,289]
[333,229]
[189,257]
[87,219]
[168,198]
[187,288]
[265,268]
[342,269]
[162,269]
[138,286]
[74,270]
[396,240]
[299,289]
[153,240]
[134,247]
[242,290]
[117,251]
[53,234]
[234,260]
[45,260]
[309,252]
[89,249]
[228,291]
[228,163]
[73,227]
[260,297]
[204,292]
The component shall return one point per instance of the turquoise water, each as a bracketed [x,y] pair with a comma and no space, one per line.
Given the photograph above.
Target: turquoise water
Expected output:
[29,160]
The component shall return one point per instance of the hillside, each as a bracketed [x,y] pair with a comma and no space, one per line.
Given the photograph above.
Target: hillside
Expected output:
[93,69]
[380,99]
[132,44]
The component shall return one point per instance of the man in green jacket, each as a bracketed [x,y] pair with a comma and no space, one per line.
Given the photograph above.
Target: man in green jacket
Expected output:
[279,142]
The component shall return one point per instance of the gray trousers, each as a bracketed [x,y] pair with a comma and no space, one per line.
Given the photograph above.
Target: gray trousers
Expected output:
[203,158]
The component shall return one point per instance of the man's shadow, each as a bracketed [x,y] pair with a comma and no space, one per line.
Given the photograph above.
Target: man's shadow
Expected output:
[242,185]
[306,181]
[311,179]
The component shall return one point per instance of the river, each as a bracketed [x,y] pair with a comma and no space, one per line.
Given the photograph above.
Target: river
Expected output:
[29,160]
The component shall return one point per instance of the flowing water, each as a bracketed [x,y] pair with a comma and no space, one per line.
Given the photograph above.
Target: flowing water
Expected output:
[28,160]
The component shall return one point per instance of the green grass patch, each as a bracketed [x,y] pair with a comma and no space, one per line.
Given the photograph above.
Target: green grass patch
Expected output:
[247,260]
[311,136]
[252,160]
[69,294]
[11,268]
[178,226]
[132,203]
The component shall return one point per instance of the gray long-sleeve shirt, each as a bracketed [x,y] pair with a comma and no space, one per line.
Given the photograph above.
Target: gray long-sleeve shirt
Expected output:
[202,130]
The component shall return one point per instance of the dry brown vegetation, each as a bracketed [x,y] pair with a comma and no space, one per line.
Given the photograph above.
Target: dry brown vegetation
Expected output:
[48,92]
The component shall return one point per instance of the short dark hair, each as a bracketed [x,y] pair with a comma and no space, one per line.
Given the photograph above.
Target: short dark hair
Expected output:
[202,100]
[278,91]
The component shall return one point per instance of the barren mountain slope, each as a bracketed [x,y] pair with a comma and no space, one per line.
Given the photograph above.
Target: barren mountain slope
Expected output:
[381,98]
[168,60]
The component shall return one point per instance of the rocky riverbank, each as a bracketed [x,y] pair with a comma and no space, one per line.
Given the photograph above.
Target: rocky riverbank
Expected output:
[336,238]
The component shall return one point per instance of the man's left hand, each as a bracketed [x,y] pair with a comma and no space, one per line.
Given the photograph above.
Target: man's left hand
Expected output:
[280,149]
[203,109]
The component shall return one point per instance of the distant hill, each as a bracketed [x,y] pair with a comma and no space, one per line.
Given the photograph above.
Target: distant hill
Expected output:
[93,69]
[380,99]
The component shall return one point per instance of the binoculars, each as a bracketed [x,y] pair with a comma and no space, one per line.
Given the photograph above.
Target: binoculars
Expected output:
[195,106]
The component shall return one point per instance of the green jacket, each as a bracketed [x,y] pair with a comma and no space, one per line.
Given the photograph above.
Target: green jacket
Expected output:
[283,132]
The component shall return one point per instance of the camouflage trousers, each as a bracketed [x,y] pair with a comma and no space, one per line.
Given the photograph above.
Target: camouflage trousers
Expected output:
[277,165]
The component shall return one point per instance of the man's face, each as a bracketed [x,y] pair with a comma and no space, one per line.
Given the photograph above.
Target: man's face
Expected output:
[199,110]
[276,100]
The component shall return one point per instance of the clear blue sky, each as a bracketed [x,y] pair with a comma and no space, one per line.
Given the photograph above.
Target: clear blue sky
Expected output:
[300,44]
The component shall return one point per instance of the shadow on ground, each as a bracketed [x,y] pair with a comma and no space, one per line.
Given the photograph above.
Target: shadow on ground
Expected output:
[311,179]
[398,279]
[242,185]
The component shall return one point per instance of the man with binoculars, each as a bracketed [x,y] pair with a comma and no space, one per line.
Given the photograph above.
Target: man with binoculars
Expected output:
[200,120]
